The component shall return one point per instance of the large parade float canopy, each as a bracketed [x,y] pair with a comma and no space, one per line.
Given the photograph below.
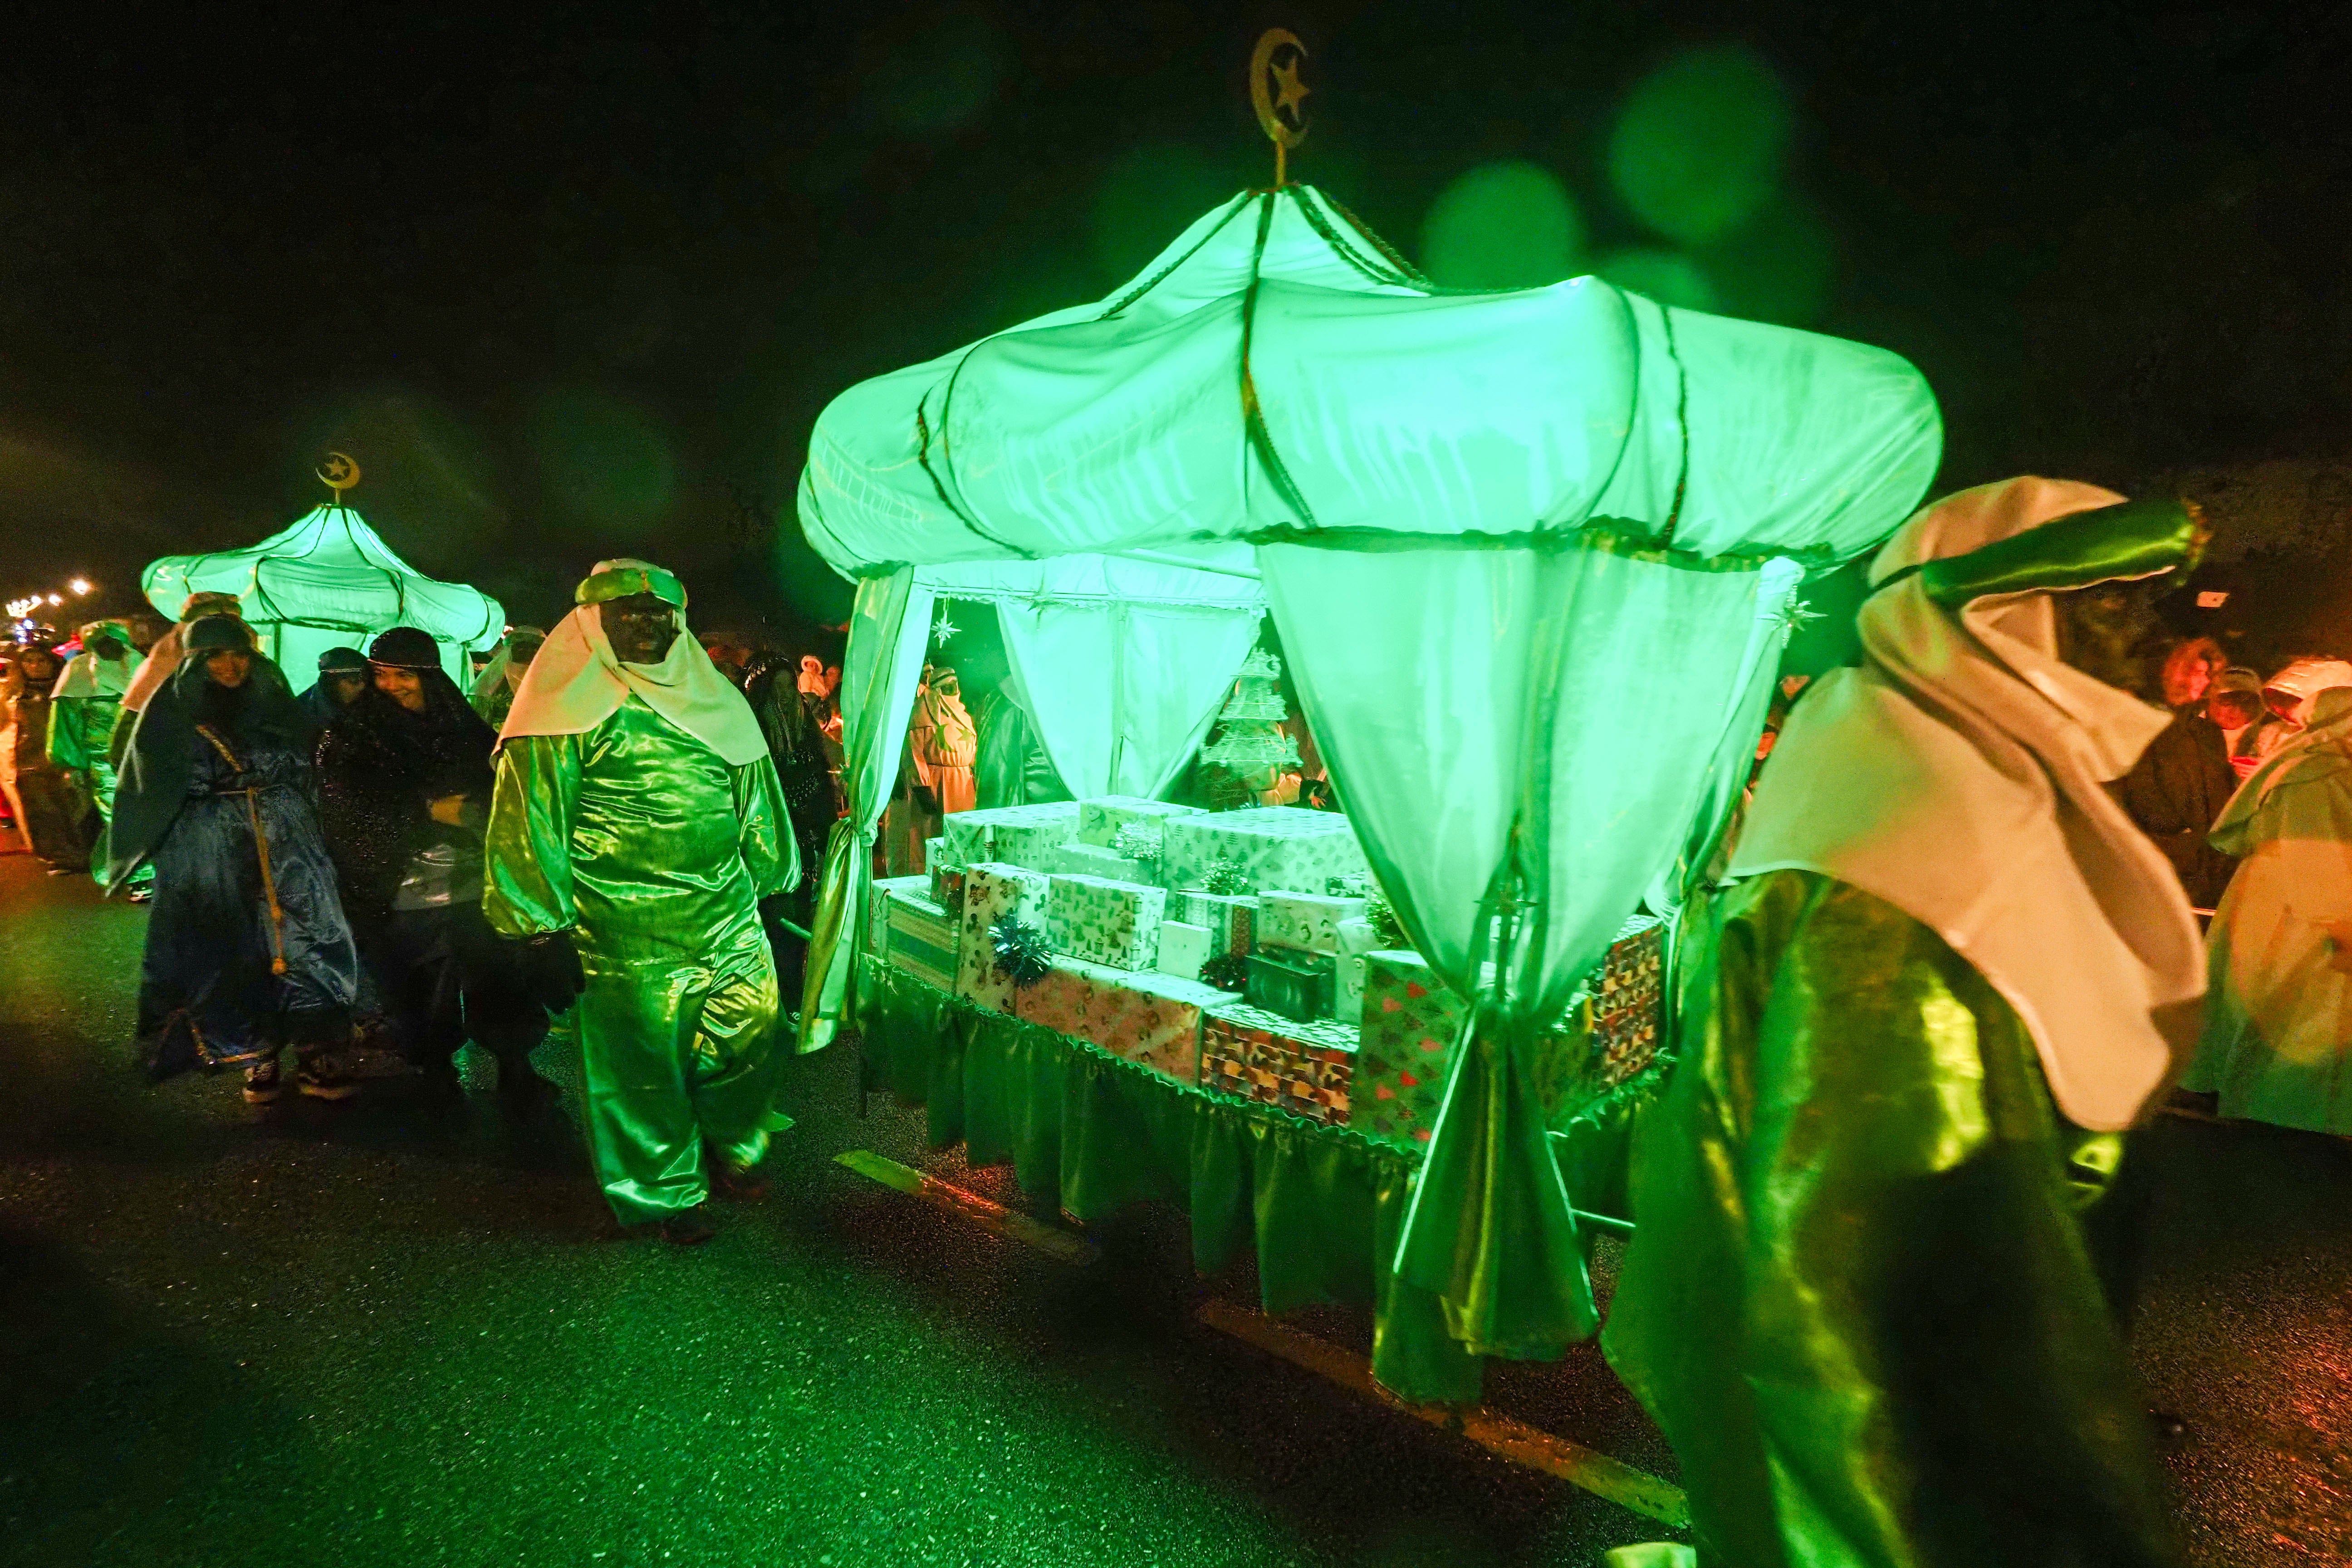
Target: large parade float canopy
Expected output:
[328,580]
[1532,555]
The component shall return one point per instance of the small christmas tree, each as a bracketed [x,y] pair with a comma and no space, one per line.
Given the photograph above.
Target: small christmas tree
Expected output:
[1248,741]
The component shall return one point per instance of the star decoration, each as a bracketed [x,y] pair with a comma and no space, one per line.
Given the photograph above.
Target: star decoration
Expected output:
[336,468]
[943,629]
[1293,93]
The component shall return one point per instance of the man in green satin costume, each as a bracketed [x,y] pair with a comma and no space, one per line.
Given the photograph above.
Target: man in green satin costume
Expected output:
[83,713]
[636,822]
[1945,975]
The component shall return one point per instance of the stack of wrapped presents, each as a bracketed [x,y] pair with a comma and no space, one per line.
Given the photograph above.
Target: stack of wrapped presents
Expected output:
[1229,951]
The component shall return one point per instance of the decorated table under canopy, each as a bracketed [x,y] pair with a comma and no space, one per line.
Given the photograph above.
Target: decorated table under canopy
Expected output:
[329,580]
[1532,555]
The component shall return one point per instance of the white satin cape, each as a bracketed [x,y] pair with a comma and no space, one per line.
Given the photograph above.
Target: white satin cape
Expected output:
[576,683]
[1958,775]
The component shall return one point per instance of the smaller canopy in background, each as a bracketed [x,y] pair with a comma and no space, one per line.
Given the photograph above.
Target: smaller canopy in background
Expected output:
[326,581]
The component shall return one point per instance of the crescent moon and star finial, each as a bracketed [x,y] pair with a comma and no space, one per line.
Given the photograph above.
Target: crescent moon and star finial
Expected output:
[338,472]
[1278,96]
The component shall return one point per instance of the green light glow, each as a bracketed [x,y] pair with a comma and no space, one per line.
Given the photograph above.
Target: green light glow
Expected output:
[607,465]
[1510,224]
[1780,266]
[1698,147]
[1666,276]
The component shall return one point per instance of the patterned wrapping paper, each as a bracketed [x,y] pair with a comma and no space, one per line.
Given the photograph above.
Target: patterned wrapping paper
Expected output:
[992,889]
[1100,819]
[1153,1020]
[937,854]
[922,939]
[1112,923]
[1094,860]
[1308,1070]
[1183,948]
[1275,846]
[1411,1022]
[878,908]
[1309,921]
[1231,918]
[1356,937]
[1019,834]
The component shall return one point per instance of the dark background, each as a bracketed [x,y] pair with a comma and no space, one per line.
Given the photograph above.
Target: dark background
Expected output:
[574,281]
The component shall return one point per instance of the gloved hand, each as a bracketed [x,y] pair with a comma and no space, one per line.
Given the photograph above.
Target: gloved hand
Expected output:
[556,977]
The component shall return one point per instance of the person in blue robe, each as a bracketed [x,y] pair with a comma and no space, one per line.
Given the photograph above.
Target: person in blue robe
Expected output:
[247,951]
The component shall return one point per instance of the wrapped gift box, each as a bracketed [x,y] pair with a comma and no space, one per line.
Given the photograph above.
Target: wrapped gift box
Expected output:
[1104,921]
[922,939]
[1309,921]
[1628,1002]
[1020,835]
[878,908]
[992,889]
[1305,1069]
[1274,846]
[1100,819]
[1150,1019]
[1231,918]
[1298,985]
[1094,860]
[1183,948]
[1356,937]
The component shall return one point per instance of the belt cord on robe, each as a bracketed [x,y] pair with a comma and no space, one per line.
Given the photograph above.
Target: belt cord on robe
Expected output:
[260,849]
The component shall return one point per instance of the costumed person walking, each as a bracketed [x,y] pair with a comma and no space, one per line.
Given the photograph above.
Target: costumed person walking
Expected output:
[52,814]
[83,711]
[1947,974]
[404,794]
[494,689]
[248,952]
[164,655]
[342,676]
[637,822]
[2277,1046]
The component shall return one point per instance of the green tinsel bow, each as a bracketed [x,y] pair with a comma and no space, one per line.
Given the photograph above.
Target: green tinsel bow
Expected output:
[1021,951]
[1225,877]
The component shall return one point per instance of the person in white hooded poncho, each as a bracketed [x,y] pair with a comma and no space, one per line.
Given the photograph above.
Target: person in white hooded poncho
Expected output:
[1946,974]
[2277,1044]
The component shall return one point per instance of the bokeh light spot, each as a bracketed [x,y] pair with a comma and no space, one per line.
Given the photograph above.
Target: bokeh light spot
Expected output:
[1668,277]
[1697,149]
[606,464]
[1509,225]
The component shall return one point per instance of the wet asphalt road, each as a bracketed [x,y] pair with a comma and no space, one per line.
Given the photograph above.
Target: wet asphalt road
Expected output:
[399,1333]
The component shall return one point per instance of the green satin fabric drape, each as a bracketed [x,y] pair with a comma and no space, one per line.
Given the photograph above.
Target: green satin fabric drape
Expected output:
[1860,1302]
[1322,1207]
[888,627]
[1471,703]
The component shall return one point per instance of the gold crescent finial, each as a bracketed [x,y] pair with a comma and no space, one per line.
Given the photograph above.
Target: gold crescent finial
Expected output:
[1278,96]
[338,472]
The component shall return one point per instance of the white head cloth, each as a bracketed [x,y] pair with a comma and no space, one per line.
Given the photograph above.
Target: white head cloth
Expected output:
[87,675]
[2305,678]
[576,683]
[1958,775]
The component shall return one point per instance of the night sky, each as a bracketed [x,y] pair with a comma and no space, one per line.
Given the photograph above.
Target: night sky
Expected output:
[575,281]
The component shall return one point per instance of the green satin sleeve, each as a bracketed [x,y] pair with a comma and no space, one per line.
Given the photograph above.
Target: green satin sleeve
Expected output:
[526,886]
[771,853]
[1860,1302]
[71,733]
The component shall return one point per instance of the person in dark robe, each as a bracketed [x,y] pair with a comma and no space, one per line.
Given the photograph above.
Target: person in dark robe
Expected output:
[248,952]
[791,720]
[403,793]
[53,815]
[2174,794]
[342,676]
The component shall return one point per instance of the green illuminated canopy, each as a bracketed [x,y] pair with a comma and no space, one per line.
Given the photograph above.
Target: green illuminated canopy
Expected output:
[328,580]
[1532,555]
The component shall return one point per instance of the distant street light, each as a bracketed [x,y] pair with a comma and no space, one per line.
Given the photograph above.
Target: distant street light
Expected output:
[79,585]
[54,600]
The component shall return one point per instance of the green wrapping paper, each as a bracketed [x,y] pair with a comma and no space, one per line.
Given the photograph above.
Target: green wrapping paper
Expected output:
[1094,860]
[1275,846]
[1020,835]
[1107,923]
[923,938]
[1859,1302]
[877,907]
[1231,918]
[1100,819]
[1308,922]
